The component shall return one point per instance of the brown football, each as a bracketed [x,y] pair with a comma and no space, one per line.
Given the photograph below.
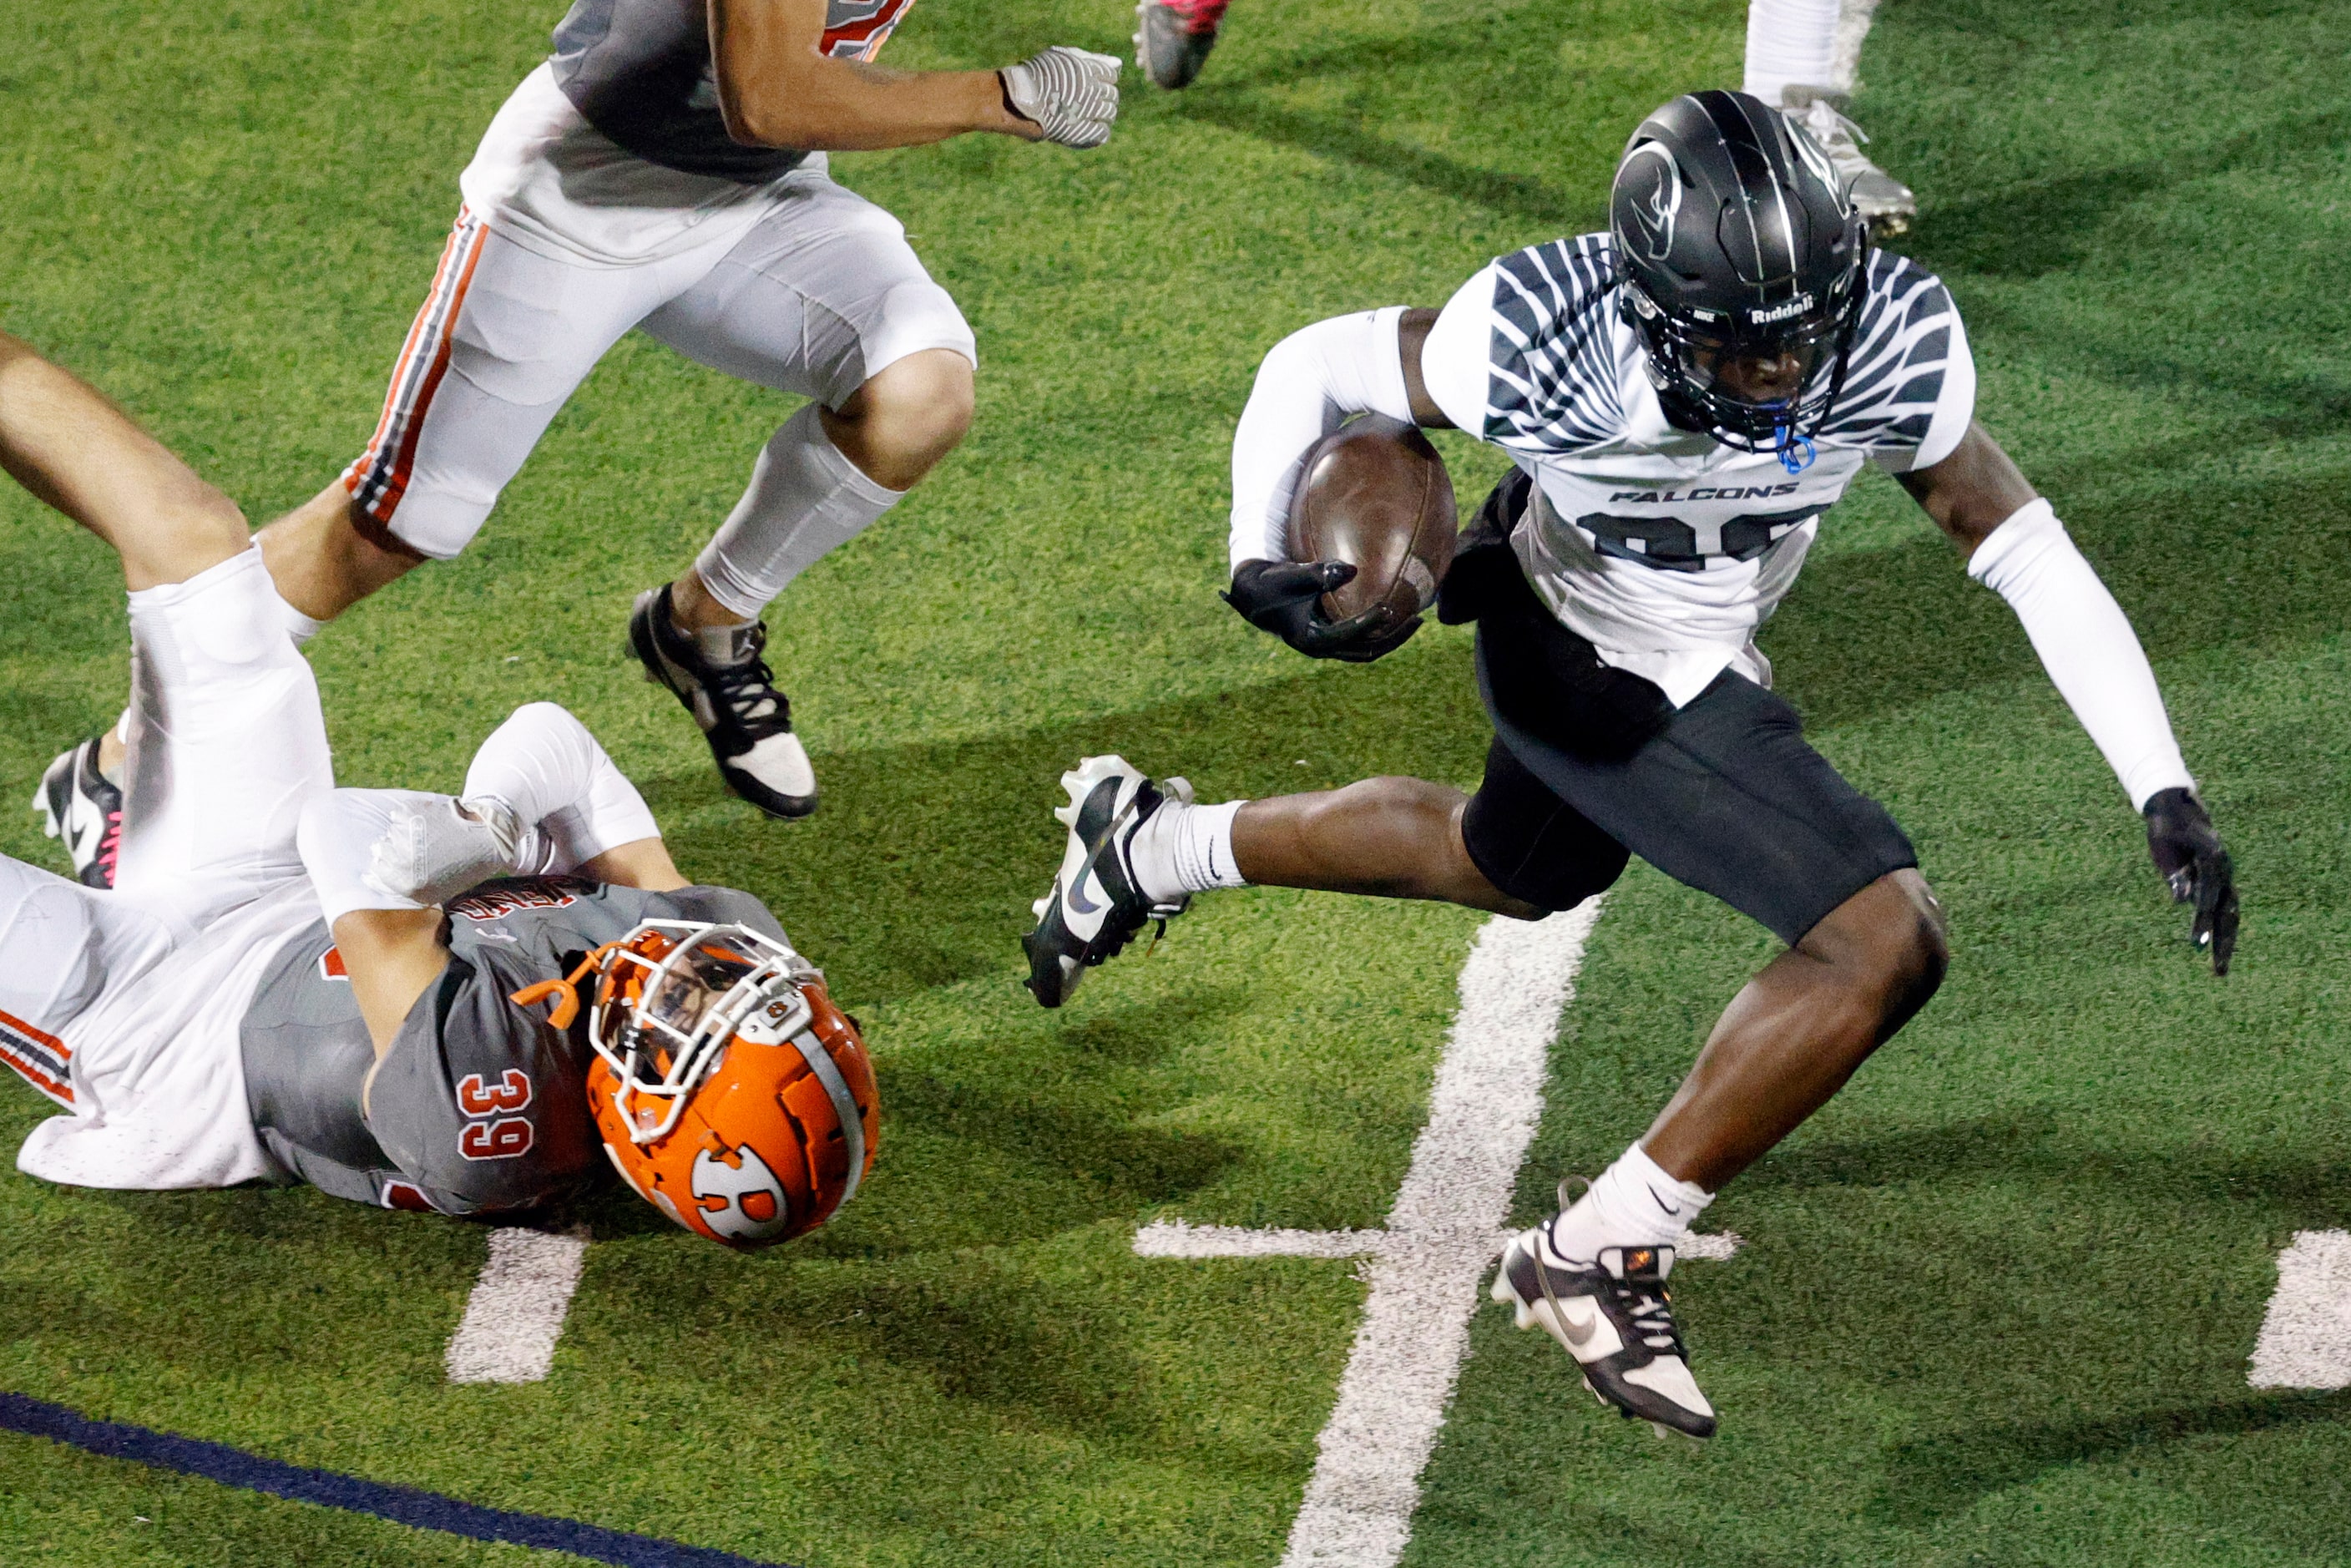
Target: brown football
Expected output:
[1375,494]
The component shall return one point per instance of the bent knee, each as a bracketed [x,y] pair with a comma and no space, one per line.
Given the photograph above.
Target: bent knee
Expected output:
[913,412]
[1891,936]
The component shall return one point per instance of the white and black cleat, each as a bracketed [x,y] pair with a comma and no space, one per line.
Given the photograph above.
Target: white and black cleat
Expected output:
[1615,1316]
[733,697]
[83,807]
[1885,203]
[1096,907]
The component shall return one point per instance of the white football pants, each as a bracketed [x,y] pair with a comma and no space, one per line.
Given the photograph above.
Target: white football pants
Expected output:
[124,1007]
[820,295]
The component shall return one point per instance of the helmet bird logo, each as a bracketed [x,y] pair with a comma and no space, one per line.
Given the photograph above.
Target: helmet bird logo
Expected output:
[1655,209]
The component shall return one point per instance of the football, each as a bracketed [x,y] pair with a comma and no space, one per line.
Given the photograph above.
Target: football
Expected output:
[1375,494]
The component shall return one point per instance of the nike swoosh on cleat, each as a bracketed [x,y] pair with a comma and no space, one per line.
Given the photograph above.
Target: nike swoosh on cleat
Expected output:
[1076,897]
[1578,1335]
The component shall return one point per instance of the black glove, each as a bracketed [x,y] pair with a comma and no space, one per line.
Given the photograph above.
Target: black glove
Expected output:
[2190,855]
[1280,597]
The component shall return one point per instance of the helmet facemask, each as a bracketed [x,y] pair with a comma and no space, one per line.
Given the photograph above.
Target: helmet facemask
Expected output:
[1687,353]
[727,1088]
[671,997]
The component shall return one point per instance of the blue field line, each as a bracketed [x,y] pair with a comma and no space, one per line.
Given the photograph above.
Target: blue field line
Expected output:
[401,1505]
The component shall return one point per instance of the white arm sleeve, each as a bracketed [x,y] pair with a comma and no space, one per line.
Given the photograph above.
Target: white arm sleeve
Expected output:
[572,802]
[336,837]
[1306,388]
[2086,645]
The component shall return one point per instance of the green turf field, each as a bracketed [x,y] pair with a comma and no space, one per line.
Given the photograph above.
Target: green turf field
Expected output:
[1996,1302]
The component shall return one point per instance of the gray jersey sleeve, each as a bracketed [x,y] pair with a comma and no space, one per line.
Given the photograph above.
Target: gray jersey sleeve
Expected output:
[479,1099]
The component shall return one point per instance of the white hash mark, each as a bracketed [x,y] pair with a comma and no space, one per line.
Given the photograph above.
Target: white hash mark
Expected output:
[516,1313]
[2306,1338]
[1426,1267]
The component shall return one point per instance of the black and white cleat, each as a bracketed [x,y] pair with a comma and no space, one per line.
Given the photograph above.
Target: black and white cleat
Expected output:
[1095,908]
[83,807]
[1615,1316]
[732,696]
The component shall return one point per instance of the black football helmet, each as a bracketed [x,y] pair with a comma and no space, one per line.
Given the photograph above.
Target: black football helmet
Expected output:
[1734,240]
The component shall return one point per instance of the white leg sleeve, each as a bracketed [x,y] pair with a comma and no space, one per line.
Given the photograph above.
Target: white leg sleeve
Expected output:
[543,762]
[805,499]
[1790,42]
[2086,645]
[1852,32]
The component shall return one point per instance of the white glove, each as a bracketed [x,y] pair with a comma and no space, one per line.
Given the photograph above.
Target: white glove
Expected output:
[1072,93]
[432,849]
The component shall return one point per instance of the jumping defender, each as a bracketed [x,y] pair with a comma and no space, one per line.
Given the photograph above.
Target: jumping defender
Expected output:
[1684,396]
[664,170]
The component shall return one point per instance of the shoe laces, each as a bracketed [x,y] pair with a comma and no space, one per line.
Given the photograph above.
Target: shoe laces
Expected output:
[1652,1314]
[110,844]
[746,688]
[1839,137]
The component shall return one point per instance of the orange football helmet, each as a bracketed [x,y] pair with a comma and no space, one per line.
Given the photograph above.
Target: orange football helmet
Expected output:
[730,1091]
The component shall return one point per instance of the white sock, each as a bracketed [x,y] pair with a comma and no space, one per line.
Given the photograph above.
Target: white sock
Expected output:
[1634,1203]
[1790,43]
[1853,28]
[299,626]
[1186,849]
[805,497]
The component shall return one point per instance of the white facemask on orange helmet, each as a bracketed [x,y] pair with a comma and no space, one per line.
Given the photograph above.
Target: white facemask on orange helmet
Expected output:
[730,1091]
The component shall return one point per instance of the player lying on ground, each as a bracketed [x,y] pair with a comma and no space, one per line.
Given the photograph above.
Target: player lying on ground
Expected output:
[276,988]
[1802,56]
[663,170]
[1684,395]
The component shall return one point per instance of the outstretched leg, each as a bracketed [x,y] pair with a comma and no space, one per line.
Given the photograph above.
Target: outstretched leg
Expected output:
[62,440]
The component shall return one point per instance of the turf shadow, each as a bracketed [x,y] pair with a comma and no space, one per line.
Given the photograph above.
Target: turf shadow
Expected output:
[2012,1148]
[1872,632]
[1934,1478]
[2047,226]
[919,869]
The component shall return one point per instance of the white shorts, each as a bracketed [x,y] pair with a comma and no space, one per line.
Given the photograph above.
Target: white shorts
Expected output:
[124,1007]
[800,286]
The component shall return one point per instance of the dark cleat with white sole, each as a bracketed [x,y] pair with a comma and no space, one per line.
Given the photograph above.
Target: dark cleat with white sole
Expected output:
[1095,908]
[1615,1316]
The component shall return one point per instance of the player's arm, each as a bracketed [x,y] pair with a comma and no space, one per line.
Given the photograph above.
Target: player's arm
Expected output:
[777,89]
[62,440]
[2016,545]
[1311,383]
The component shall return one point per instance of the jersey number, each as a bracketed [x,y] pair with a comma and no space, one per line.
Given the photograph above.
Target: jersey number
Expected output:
[506,1137]
[495,1140]
[476,1099]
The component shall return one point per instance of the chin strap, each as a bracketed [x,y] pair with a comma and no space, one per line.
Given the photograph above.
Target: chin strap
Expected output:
[563,993]
[1796,453]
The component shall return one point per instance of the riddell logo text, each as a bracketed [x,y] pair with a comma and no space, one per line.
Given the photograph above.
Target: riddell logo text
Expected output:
[1705,492]
[1797,306]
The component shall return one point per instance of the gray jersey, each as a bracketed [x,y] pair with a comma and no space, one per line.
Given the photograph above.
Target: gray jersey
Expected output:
[480,1105]
[639,71]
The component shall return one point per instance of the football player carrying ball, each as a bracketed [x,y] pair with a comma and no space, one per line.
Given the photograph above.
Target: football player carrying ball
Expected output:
[466,1005]
[1684,396]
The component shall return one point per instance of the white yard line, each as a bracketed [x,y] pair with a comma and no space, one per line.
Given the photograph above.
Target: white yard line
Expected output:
[516,1313]
[1359,1503]
[1425,1268]
[2306,1338]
